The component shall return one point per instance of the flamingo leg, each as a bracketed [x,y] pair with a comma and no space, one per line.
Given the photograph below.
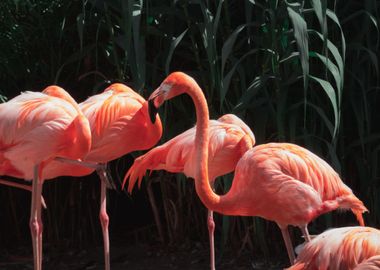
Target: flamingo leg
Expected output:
[211,229]
[103,216]
[288,243]
[35,222]
[305,233]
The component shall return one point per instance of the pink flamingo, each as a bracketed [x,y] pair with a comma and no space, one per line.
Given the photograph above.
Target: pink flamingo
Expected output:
[35,128]
[341,248]
[229,137]
[120,124]
[281,182]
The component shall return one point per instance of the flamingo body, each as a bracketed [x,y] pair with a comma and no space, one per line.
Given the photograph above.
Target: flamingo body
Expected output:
[230,138]
[288,184]
[341,248]
[119,123]
[36,127]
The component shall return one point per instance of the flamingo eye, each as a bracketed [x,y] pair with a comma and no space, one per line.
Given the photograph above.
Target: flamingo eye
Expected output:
[166,87]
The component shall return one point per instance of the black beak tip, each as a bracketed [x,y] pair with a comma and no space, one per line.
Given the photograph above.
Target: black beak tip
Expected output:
[152,111]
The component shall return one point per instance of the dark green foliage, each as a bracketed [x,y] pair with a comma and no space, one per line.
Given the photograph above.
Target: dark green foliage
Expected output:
[300,71]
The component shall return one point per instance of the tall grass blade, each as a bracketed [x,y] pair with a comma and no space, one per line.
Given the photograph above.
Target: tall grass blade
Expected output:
[329,90]
[302,40]
[172,47]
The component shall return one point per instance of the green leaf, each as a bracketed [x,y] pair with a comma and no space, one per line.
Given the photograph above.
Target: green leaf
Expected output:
[325,119]
[372,56]
[320,7]
[333,16]
[80,26]
[329,90]
[227,79]
[257,84]
[301,36]
[229,44]
[332,68]
[173,45]
[217,16]
[338,59]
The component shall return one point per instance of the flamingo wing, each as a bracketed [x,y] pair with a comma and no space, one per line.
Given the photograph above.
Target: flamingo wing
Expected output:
[112,115]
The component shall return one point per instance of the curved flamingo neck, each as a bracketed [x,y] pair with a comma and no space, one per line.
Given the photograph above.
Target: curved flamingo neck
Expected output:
[202,185]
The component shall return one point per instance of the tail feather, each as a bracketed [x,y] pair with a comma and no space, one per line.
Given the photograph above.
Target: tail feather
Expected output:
[152,160]
[135,173]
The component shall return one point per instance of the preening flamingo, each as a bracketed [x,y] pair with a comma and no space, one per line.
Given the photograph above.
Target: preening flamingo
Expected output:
[229,138]
[341,248]
[35,128]
[281,182]
[119,122]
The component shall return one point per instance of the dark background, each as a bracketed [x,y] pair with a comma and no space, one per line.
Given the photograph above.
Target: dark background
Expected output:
[247,59]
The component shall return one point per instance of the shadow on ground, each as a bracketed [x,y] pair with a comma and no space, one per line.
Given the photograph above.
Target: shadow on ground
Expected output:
[138,257]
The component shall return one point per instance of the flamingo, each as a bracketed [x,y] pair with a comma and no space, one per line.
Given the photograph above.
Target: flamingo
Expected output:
[35,128]
[341,248]
[119,122]
[230,138]
[281,182]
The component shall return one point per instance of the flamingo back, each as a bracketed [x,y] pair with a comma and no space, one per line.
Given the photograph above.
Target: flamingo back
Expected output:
[339,249]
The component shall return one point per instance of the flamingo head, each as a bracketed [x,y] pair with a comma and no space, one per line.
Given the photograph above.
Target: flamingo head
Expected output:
[174,85]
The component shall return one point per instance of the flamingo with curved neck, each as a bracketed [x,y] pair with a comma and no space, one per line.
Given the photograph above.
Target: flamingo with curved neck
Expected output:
[281,182]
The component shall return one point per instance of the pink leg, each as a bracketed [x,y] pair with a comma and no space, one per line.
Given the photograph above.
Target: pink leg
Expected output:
[103,216]
[211,229]
[288,243]
[35,222]
[305,233]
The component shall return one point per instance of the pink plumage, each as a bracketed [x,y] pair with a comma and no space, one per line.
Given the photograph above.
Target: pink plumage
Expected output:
[230,138]
[341,248]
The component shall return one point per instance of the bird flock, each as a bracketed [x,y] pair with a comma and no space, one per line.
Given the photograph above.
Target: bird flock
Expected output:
[47,134]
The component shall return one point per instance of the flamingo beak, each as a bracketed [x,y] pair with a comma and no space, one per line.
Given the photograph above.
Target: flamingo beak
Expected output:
[156,99]
[153,110]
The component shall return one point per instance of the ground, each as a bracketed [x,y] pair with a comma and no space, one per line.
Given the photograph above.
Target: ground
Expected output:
[192,256]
